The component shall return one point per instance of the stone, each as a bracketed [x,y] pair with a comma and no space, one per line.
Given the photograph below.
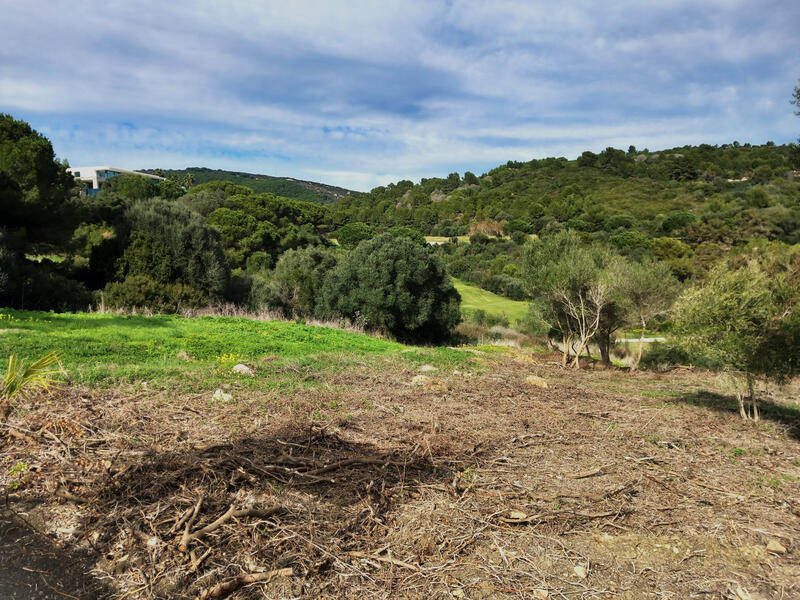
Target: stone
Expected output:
[775,547]
[419,380]
[220,396]
[536,381]
[580,572]
[427,369]
[243,369]
[540,594]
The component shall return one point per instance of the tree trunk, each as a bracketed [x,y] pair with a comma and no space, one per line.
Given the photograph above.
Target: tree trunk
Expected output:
[604,343]
[565,351]
[740,399]
[641,348]
[576,363]
[752,397]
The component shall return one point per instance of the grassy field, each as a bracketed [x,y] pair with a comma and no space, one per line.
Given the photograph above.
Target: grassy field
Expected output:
[169,351]
[474,298]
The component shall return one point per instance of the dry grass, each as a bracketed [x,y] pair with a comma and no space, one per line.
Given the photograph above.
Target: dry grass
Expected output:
[604,485]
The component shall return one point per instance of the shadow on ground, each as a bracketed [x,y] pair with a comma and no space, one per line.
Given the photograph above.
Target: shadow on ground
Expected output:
[33,567]
[780,413]
[330,496]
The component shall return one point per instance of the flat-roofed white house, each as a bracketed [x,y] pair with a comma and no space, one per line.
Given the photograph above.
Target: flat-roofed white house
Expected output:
[94,177]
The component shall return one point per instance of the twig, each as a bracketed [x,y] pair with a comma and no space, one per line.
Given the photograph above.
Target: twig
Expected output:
[386,559]
[222,589]
[185,537]
[353,461]
[224,518]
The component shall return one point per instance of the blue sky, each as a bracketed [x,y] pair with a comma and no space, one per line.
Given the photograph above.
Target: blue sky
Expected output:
[359,94]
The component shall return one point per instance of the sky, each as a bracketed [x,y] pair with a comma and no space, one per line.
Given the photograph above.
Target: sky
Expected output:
[362,93]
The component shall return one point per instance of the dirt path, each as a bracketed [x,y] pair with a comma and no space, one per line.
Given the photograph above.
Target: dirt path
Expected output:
[473,484]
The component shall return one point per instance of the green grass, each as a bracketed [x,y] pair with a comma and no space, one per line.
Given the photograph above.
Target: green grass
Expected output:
[474,298]
[173,352]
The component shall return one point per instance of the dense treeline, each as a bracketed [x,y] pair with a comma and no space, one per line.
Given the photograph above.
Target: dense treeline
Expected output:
[158,246]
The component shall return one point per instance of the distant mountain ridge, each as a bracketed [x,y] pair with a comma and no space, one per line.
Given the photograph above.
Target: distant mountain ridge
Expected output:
[287,187]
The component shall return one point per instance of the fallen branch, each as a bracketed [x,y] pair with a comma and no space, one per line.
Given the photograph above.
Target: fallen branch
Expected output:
[386,559]
[353,461]
[225,588]
[224,518]
[599,470]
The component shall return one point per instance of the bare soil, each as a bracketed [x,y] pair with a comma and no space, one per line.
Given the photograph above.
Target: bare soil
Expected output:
[605,484]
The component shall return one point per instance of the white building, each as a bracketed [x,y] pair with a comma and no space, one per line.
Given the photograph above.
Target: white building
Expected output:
[94,177]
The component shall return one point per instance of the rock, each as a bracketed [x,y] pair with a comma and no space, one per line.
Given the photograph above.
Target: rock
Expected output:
[427,369]
[243,370]
[517,515]
[540,594]
[220,396]
[580,572]
[775,547]
[537,381]
[419,380]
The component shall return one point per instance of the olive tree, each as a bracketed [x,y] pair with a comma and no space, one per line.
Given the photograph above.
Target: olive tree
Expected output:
[745,317]
[645,290]
[572,284]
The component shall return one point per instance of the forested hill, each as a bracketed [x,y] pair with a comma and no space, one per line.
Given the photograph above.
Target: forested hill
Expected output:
[724,194]
[287,187]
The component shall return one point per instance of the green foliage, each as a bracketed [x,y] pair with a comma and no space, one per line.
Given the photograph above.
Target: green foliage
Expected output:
[142,292]
[295,284]
[21,380]
[744,316]
[180,243]
[132,187]
[307,191]
[169,189]
[393,285]
[34,186]
[352,234]
[408,232]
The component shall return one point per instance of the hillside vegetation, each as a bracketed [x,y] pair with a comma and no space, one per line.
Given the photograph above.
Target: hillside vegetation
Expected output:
[309,191]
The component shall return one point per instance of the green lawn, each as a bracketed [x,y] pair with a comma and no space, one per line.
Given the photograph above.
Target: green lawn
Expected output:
[475,298]
[169,351]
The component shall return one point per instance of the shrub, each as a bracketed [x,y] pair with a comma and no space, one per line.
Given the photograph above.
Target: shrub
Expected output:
[479,238]
[412,234]
[181,243]
[393,285]
[139,291]
[352,234]
[297,280]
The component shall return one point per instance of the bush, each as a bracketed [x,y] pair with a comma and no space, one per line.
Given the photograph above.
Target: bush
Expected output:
[139,291]
[393,285]
[352,234]
[478,238]
[176,240]
[296,281]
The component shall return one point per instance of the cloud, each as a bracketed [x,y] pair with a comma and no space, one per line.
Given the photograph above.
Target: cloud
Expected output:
[358,92]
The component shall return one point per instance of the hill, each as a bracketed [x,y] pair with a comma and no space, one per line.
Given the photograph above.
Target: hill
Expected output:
[725,194]
[287,187]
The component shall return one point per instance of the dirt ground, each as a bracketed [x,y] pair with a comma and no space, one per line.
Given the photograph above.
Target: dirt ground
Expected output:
[470,485]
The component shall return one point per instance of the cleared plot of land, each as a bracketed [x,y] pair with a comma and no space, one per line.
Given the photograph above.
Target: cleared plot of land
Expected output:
[474,298]
[170,351]
[472,484]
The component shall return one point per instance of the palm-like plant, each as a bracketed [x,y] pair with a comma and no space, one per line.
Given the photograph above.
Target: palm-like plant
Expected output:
[21,379]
